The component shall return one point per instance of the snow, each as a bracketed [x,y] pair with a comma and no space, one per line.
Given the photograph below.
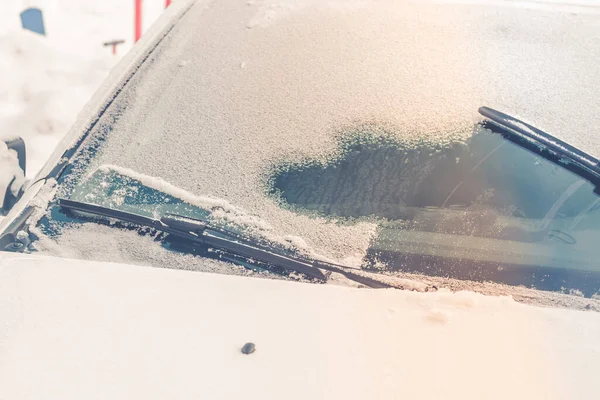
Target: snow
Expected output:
[88,329]
[126,247]
[46,81]
[315,71]
[220,209]
[43,90]
[294,97]
[9,165]
[74,329]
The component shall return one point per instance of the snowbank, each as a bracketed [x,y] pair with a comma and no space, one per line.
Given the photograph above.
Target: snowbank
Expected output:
[44,88]
[74,329]
[9,170]
[46,81]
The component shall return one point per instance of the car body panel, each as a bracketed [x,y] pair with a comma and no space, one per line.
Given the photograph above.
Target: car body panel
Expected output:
[83,329]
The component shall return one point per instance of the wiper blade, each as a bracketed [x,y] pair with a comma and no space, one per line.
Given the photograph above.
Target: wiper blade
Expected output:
[202,232]
[579,162]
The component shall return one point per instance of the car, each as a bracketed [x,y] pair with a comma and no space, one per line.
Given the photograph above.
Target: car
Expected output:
[362,144]
[210,139]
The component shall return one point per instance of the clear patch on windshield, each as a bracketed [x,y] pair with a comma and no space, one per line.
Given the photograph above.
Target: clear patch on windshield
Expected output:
[484,209]
[382,177]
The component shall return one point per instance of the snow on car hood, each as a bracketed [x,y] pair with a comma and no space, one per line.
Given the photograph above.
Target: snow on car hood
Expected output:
[79,329]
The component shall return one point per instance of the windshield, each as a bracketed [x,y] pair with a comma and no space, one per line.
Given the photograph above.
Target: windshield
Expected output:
[359,146]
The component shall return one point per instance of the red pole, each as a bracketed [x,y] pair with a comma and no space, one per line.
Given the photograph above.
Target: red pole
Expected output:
[138,19]
[167,3]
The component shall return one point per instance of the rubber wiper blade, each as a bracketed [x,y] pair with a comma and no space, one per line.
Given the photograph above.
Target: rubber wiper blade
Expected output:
[107,212]
[184,223]
[200,231]
[557,151]
[196,231]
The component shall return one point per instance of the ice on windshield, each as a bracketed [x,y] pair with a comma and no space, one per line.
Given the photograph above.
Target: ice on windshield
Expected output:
[228,95]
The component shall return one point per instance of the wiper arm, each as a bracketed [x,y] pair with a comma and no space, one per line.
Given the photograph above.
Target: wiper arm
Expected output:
[579,162]
[202,232]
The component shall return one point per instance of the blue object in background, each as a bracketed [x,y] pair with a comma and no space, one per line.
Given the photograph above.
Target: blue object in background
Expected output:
[32,20]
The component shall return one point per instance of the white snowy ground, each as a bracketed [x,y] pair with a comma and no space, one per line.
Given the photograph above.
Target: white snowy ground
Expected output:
[46,81]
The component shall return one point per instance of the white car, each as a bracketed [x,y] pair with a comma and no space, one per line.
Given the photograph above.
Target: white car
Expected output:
[344,151]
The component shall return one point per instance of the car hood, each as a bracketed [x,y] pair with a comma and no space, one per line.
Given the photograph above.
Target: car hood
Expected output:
[81,329]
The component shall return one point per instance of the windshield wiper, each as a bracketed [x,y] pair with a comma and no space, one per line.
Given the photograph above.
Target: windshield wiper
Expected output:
[544,145]
[201,232]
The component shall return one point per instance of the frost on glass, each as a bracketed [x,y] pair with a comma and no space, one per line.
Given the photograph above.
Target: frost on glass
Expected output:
[113,190]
